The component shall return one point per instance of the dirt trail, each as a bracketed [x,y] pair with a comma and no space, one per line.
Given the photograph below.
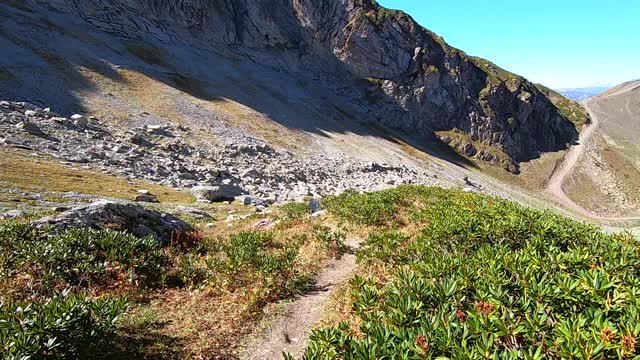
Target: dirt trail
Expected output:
[290,331]
[566,168]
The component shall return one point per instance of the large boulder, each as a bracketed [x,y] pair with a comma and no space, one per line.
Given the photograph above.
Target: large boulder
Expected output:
[216,193]
[119,216]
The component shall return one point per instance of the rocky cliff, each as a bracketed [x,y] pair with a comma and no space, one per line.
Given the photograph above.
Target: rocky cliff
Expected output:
[395,71]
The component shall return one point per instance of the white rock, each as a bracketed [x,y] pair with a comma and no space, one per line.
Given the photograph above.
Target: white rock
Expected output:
[319,213]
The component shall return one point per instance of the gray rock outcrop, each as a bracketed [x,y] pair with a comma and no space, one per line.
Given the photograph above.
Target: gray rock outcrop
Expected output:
[119,216]
[216,193]
[403,74]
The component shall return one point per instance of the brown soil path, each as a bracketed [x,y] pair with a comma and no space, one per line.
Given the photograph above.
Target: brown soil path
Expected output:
[290,331]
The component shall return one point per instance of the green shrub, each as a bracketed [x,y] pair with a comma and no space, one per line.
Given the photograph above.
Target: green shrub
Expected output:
[332,240]
[294,210]
[64,327]
[253,256]
[383,207]
[487,278]
[366,209]
[77,258]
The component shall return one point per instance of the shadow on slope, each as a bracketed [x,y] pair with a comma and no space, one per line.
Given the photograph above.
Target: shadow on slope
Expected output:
[48,68]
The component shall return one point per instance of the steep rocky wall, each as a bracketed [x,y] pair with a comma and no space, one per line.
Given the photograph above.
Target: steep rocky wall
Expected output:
[405,76]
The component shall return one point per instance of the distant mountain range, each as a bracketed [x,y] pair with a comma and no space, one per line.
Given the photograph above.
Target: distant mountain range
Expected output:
[579,94]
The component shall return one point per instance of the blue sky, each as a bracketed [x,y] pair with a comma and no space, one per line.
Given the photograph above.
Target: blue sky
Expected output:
[560,43]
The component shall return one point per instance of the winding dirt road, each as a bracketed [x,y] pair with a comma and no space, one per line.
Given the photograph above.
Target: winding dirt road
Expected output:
[554,187]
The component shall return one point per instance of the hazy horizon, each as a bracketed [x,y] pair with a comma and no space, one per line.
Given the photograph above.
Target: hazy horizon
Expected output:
[568,44]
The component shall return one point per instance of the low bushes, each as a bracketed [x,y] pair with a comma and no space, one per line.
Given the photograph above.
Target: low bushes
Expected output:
[63,327]
[76,258]
[486,278]
[61,294]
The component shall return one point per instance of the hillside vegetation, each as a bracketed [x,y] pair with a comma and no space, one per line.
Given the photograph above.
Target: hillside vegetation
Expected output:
[447,274]
[442,273]
[568,108]
[104,294]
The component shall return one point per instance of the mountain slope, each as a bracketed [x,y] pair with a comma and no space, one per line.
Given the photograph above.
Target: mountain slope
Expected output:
[609,171]
[306,65]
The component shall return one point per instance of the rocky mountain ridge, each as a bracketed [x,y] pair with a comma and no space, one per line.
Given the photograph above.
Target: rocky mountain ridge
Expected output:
[392,70]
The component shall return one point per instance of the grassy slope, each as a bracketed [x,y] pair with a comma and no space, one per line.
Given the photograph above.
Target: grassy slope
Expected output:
[192,298]
[570,109]
[22,171]
[200,296]
[447,273]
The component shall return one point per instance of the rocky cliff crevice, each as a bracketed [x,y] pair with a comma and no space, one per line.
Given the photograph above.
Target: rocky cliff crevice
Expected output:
[405,76]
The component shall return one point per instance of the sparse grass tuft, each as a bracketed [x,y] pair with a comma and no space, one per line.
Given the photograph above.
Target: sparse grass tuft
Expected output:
[294,210]
[20,170]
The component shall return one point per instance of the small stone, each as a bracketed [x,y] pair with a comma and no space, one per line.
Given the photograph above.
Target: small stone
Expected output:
[157,130]
[60,120]
[262,224]
[12,214]
[143,191]
[247,200]
[79,120]
[140,140]
[30,113]
[28,105]
[319,213]
[47,110]
[195,213]
[314,205]
[216,193]
[29,127]
[149,198]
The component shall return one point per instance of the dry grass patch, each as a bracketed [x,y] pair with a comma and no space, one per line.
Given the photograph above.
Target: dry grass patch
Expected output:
[238,286]
[534,174]
[20,170]
[248,119]
[459,141]
[606,181]
[139,90]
